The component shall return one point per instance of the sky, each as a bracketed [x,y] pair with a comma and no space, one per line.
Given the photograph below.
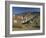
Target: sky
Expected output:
[19,10]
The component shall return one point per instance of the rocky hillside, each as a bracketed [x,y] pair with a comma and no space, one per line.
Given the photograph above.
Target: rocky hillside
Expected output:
[32,23]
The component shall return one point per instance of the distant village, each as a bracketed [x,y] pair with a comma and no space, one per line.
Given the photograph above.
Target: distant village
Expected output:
[21,18]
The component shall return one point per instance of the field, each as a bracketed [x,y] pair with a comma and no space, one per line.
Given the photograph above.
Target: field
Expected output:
[31,23]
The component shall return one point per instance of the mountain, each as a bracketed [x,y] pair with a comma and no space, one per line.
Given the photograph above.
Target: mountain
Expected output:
[24,13]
